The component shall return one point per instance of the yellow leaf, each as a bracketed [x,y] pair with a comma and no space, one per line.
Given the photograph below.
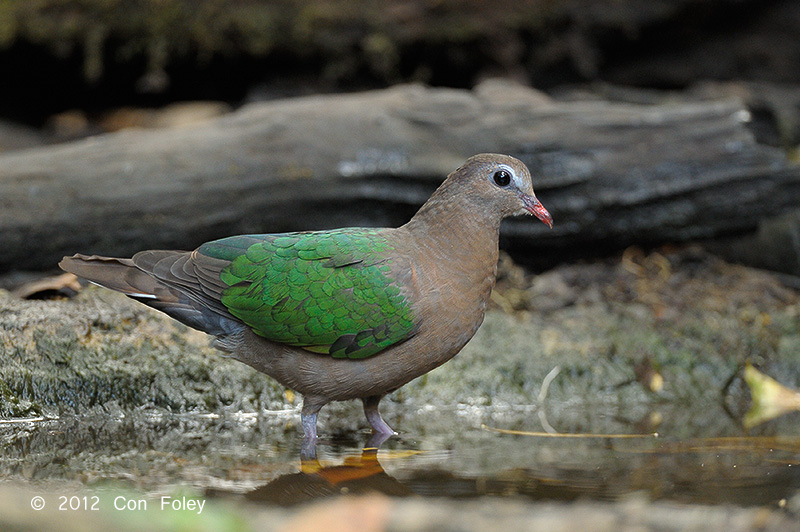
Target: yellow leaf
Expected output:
[770,398]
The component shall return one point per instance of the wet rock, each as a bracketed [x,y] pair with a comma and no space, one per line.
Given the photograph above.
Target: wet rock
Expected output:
[67,357]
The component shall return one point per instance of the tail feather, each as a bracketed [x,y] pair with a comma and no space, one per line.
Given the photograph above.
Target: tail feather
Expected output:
[121,275]
[175,296]
[178,270]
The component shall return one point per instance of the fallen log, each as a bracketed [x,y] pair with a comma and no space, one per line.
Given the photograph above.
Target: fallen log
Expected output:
[612,174]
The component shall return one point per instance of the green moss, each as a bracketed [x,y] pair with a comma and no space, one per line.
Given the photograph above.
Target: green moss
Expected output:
[12,406]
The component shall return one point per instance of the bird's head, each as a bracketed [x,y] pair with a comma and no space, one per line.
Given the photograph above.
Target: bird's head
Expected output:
[502,184]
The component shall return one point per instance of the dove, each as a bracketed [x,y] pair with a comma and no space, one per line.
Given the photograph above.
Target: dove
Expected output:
[352,313]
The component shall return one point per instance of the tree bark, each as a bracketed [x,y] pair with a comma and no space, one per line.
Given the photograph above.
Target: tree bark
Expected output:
[612,174]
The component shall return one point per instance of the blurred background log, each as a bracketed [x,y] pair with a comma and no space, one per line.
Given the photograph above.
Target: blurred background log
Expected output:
[611,173]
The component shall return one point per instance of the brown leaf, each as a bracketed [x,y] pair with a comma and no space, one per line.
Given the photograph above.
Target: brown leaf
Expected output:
[66,284]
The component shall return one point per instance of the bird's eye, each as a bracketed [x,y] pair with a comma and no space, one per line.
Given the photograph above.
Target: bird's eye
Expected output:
[502,178]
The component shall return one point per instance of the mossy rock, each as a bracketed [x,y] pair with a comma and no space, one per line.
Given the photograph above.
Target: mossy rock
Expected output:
[67,357]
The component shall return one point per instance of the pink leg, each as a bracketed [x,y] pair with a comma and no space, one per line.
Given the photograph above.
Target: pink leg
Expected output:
[374,417]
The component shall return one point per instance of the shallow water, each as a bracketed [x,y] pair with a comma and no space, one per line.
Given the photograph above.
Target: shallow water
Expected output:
[675,453]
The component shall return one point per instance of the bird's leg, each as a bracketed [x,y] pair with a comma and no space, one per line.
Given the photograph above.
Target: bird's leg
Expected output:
[308,419]
[374,417]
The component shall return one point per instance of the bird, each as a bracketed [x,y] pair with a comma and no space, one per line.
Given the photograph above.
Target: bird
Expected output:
[344,314]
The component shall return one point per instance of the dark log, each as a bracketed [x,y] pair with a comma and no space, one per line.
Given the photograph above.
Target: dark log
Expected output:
[612,174]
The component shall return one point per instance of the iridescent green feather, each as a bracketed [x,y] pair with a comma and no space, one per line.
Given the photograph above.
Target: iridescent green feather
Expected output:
[328,292]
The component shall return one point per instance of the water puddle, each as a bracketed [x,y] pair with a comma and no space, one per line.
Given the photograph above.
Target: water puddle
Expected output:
[456,452]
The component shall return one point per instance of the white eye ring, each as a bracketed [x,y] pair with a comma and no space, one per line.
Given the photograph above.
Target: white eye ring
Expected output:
[503,168]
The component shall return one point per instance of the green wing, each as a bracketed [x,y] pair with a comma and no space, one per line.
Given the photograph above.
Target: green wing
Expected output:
[328,292]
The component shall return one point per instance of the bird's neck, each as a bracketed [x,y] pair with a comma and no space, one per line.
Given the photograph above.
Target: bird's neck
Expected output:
[456,250]
[460,235]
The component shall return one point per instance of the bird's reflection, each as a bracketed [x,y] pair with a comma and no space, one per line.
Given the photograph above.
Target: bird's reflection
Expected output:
[357,475]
